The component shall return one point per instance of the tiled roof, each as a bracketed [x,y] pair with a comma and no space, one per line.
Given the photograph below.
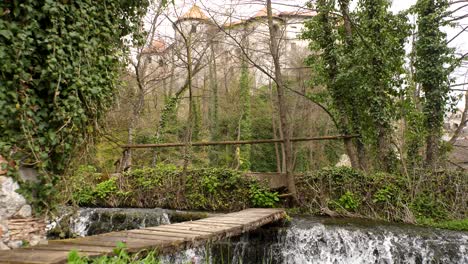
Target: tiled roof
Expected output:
[194,13]
[157,46]
[233,23]
[299,13]
[263,13]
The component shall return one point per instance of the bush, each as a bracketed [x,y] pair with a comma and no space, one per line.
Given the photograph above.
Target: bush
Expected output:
[347,201]
[262,197]
[385,196]
[204,189]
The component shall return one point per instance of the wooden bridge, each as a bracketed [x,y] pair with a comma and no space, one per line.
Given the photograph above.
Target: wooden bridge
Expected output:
[163,239]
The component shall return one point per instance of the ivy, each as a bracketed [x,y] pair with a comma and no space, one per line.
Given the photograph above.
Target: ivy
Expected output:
[361,67]
[432,55]
[60,64]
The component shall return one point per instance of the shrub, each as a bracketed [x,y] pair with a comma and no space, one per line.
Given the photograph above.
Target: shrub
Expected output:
[347,201]
[262,197]
[204,189]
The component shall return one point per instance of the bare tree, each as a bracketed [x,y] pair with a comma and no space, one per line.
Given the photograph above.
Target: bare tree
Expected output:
[141,66]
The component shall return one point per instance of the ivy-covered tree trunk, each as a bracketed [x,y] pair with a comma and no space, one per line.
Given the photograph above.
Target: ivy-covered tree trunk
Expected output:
[326,39]
[431,60]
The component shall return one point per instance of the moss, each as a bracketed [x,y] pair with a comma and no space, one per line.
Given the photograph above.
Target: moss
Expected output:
[178,217]
[459,225]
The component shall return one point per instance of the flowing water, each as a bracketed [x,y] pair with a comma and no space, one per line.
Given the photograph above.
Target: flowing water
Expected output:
[305,240]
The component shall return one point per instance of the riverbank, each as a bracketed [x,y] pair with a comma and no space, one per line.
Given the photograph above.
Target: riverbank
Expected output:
[439,201]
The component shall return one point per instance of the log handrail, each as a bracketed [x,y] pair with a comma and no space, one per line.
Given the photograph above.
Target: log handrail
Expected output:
[235,142]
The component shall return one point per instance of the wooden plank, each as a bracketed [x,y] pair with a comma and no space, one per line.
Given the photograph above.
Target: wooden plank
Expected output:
[200,227]
[231,223]
[164,238]
[138,235]
[177,230]
[70,247]
[156,233]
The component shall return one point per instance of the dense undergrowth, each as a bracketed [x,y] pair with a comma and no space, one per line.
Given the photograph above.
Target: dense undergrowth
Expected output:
[438,200]
[204,189]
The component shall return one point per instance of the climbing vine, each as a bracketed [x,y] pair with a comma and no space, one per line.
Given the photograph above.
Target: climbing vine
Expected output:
[361,66]
[59,70]
[432,57]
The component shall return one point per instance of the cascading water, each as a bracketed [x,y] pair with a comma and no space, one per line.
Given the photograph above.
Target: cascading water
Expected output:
[312,240]
[304,240]
[92,221]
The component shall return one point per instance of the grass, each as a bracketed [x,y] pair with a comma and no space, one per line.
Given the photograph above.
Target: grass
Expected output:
[459,225]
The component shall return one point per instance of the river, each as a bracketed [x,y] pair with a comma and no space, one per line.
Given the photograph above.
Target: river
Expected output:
[305,239]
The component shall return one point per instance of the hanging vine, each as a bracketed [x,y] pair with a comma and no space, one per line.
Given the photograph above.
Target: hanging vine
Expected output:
[59,70]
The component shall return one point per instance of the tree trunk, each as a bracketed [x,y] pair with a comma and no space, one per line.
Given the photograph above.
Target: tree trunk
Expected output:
[279,162]
[274,44]
[432,148]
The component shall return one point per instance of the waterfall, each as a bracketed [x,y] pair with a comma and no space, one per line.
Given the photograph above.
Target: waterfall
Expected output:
[304,240]
[312,241]
[93,221]
[382,244]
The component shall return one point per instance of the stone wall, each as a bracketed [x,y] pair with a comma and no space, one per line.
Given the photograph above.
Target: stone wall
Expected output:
[18,227]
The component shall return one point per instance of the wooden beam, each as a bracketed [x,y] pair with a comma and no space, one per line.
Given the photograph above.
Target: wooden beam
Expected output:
[163,239]
[235,142]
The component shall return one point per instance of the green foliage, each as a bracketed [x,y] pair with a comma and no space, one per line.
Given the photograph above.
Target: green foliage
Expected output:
[262,197]
[60,64]
[383,195]
[434,62]
[461,225]
[205,189]
[427,205]
[387,194]
[105,188]
[121,256]
[262,156]
[360,68]
[87,186]
[347,201]
[83,191]
[245,125]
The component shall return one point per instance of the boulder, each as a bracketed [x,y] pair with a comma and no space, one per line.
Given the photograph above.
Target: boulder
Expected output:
[10,200]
